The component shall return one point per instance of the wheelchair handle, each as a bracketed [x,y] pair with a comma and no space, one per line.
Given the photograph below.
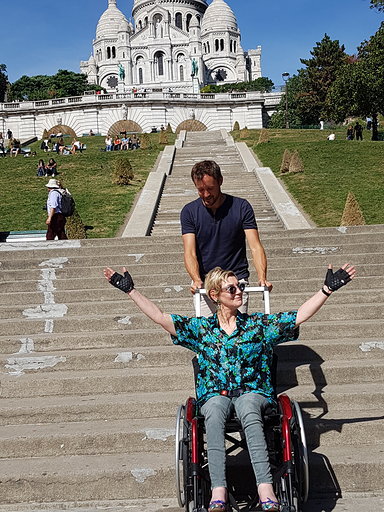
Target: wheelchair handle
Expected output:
[248,289]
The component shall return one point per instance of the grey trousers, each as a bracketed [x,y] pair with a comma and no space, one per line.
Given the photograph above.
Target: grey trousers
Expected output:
[249,408]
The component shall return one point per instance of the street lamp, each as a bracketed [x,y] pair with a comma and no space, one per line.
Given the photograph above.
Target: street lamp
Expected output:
[285,78]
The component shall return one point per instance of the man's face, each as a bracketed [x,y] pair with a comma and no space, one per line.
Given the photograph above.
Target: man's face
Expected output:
[209,191]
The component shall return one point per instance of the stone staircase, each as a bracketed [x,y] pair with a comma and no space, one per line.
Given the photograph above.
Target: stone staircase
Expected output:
[90,388]
[179,188]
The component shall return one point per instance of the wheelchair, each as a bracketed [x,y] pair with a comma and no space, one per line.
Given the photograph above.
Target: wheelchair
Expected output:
[287,449]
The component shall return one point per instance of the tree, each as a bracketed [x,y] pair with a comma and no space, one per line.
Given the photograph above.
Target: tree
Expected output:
[321,71]
[3,81]
[41,87]
[377,4]
[307,91]
[359,87]
[295,91]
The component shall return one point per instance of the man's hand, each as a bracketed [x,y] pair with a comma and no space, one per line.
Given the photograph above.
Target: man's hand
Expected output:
[264,282]
[122,282]
[196,285]
[335,280]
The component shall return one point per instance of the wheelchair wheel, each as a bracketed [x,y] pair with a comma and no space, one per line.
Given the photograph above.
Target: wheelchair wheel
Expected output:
[300,454]
[180,449]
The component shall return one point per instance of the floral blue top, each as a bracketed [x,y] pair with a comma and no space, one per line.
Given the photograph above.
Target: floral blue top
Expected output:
[242,359]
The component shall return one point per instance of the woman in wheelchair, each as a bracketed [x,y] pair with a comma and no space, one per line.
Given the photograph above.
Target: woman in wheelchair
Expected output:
[234,353]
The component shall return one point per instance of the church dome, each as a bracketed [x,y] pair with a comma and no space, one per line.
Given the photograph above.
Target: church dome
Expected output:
[218,16]
[110,21]
[194,22]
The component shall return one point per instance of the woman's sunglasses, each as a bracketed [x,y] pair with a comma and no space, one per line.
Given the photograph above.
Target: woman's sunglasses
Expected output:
[232,288]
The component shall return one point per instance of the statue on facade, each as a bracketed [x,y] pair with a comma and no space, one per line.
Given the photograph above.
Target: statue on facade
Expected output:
[195,67]
[121,72]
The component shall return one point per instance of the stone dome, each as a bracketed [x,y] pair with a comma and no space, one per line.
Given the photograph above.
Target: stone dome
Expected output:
[194,22]
[218,16]
[110,21]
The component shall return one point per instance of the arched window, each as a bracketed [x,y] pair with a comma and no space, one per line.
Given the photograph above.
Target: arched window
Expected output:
[234,46]
[159,61]
[108,52]
[221,44]
[189,17]
[145,21]
[231,45]
[140,25]
[141,78]
[181,73]
[179,20]
[113,52]
[208,47]
[217,45]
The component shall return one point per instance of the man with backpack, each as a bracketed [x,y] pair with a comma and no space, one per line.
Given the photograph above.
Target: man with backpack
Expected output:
[60,205]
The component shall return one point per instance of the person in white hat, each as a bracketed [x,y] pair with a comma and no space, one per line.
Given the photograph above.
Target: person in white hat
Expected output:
[55,219]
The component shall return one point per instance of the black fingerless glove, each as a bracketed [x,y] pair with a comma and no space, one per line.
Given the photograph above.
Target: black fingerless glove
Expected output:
[335,280]
[123,283]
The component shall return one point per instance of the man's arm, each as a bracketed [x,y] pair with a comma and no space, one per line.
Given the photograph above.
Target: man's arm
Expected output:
[190,260]
[258,256]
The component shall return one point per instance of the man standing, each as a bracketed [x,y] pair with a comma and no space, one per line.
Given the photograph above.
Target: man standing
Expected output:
[215,228]
[55,220]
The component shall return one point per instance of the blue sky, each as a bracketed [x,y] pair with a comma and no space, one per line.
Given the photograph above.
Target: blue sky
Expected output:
[40,37]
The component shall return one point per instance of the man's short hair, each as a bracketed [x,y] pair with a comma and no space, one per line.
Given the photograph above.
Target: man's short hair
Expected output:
[206,167]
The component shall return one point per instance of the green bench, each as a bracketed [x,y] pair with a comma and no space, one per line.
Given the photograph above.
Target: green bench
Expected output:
[22,236]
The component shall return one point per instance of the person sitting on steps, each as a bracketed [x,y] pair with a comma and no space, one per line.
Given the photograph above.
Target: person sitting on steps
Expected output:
[235,352]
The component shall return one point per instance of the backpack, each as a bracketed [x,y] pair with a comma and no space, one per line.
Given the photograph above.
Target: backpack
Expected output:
[67,202]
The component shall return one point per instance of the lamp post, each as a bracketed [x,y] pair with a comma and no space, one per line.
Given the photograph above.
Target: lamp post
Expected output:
[285,78]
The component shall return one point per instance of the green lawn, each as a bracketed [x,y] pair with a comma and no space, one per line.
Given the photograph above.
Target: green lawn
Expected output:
[332,169]
[101,205]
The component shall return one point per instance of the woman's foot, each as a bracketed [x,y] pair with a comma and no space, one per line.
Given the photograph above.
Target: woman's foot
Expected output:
[218,500]
[270,505]
[268,500]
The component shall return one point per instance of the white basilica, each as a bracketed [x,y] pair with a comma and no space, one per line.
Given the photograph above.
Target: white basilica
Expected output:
[171,44]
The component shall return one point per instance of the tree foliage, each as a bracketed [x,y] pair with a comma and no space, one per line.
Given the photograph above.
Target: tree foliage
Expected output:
[262,84]
[41,87]
[377,4]
[359,87]
[307,91]
[3,81]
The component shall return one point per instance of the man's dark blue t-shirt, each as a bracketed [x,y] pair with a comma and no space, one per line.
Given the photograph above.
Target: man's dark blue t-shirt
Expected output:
[220,238]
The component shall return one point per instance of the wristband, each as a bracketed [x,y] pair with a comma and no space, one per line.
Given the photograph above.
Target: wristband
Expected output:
[326,293]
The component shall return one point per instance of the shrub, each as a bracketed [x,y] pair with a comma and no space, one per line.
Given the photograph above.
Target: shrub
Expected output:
[169,128]
[296,164]
[286,160]
[145,141]
[244,133]
[163,137]
[75,228]
[236,126]
[264,136]
[352,215]
[123,173]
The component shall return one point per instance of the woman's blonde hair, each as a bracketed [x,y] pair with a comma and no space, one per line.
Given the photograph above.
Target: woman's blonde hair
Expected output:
[215,278]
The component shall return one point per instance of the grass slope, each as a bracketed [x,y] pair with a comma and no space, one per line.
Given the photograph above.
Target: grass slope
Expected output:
[332,169]
[101,205]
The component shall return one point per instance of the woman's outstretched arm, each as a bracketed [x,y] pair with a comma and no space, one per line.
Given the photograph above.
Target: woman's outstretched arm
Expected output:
[125,284]
[333,281]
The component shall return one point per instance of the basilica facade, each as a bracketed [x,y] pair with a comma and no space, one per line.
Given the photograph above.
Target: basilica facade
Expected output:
[177,45]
